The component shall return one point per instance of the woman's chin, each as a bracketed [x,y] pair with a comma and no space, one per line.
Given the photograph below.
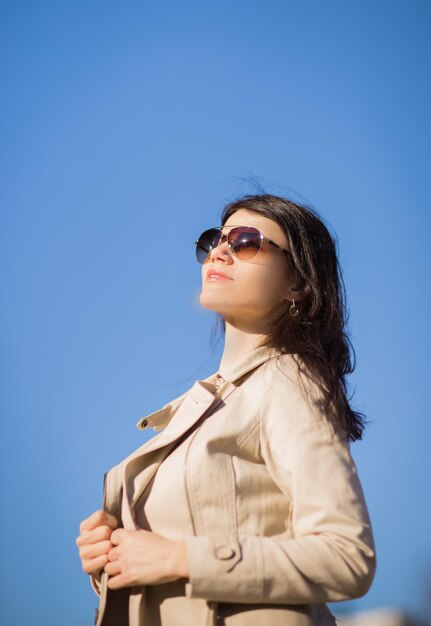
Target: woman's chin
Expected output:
[213,304]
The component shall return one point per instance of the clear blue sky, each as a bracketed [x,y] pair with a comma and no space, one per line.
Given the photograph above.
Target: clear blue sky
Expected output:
[125,129]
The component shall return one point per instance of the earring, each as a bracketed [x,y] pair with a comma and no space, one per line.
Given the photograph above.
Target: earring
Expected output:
[293,310]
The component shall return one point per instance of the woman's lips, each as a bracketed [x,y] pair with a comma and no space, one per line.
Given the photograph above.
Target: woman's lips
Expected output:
[217,276]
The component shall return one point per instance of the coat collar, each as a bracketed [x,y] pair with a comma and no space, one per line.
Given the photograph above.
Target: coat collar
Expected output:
[160,418]
[246,363]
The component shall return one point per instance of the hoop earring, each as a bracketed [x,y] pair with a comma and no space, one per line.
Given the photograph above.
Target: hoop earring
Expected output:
[293,310]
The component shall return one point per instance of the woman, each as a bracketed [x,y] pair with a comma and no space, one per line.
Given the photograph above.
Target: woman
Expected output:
[247,508]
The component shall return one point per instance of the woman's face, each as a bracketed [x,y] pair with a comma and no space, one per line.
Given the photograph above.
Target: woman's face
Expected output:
[255,287]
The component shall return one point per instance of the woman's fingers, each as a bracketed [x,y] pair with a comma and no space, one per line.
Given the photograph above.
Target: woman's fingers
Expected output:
[95,550]
[91,566]
[113,568]
[94,557]
[120,535]
[98,518]
[113,554]
[94,536]
[94,540]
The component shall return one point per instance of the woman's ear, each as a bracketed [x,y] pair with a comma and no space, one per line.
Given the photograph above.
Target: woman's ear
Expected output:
[299,291]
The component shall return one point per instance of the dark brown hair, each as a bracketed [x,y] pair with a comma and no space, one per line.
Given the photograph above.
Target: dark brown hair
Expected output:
[317,334]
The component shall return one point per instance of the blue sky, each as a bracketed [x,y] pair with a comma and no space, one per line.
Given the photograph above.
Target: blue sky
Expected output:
[125,129]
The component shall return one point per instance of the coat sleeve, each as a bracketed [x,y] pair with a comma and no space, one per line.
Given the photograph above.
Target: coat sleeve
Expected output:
[327,552]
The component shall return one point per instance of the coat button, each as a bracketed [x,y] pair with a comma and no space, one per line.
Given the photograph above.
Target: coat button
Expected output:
[225,552]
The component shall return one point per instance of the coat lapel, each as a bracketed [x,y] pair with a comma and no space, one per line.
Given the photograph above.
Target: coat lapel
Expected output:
[177,418]
[142,465]
[187,409]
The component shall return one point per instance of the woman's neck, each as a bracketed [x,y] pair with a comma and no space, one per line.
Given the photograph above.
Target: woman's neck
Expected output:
[238,343]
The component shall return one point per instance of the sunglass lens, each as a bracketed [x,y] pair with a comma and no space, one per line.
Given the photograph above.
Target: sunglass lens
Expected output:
[245,242]
[206,242]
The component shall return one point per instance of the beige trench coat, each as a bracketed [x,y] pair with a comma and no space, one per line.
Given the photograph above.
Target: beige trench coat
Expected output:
[281,524]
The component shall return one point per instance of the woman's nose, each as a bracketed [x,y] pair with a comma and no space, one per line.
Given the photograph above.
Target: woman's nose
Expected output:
[221,251]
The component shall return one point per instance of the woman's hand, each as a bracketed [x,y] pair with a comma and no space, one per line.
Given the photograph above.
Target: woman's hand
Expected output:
[94,541]
[141,557]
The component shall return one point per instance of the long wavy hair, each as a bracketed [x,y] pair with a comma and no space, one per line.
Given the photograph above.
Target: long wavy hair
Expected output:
[317,333]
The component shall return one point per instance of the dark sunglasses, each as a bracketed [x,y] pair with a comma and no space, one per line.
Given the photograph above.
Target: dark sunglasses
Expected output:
[244,241]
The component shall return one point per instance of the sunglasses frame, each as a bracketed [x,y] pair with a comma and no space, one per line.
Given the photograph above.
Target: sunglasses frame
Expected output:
[226,235]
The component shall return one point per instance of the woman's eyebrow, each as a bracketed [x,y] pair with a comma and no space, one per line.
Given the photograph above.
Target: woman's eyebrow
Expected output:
[226,227]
